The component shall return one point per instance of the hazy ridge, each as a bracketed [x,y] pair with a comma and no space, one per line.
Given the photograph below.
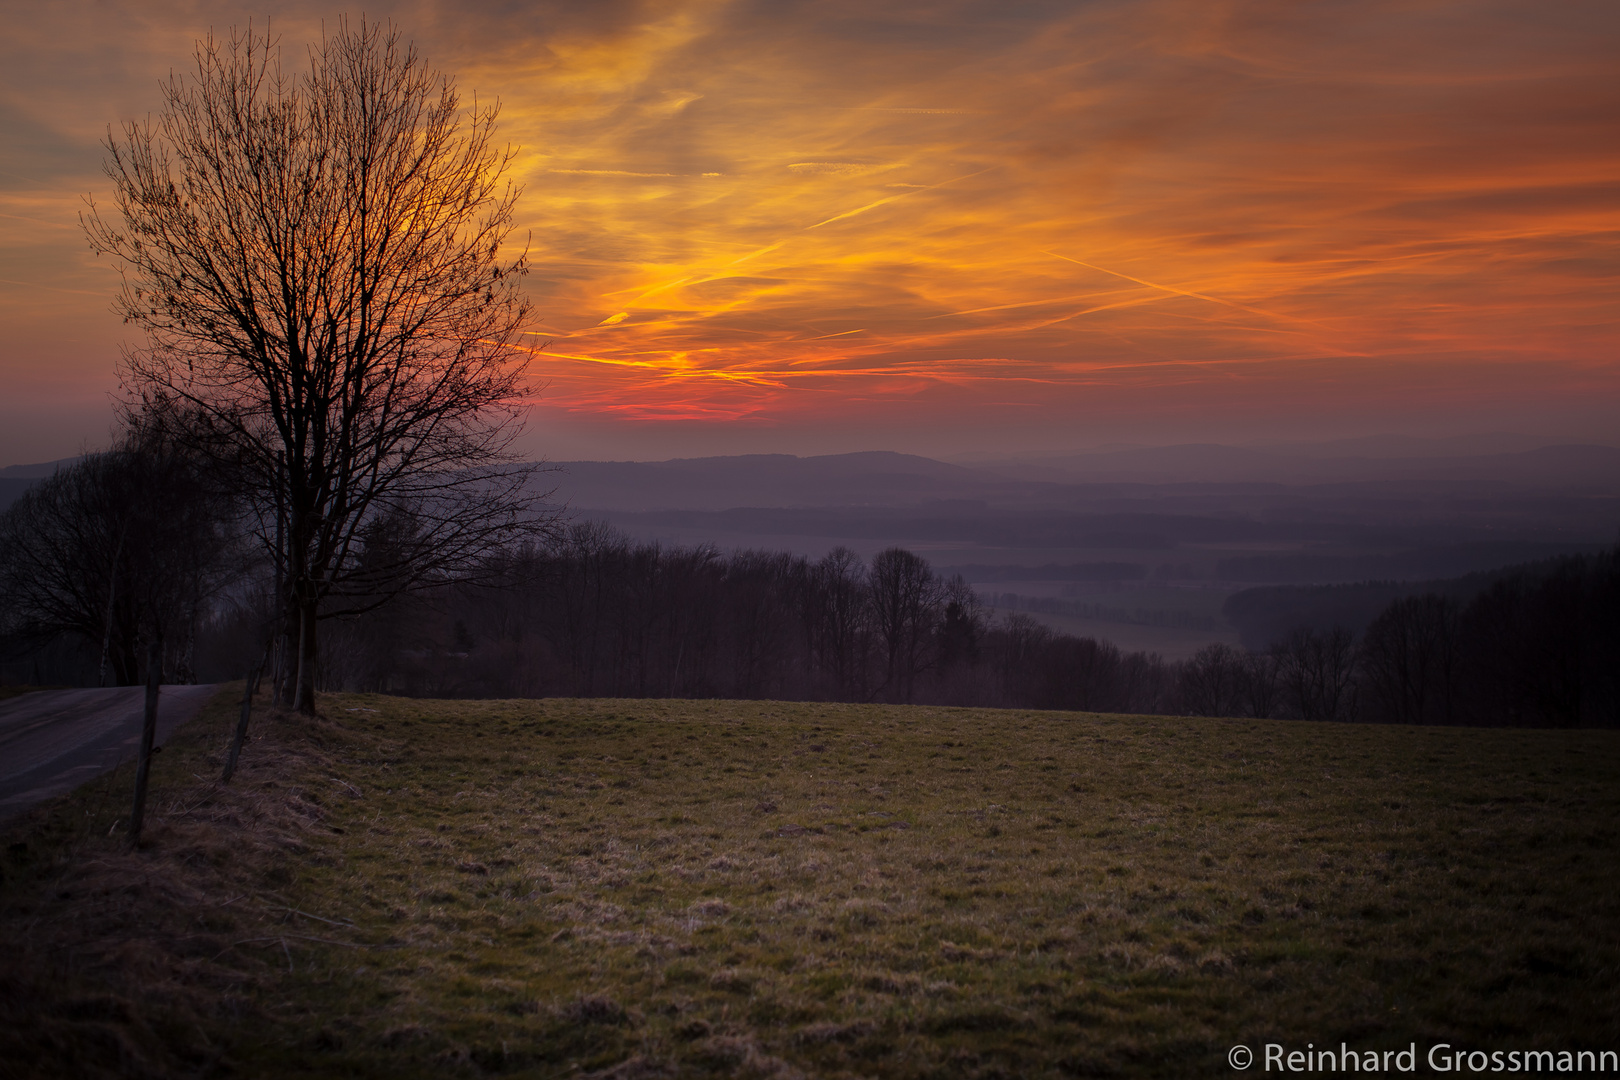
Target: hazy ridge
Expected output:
[897,480]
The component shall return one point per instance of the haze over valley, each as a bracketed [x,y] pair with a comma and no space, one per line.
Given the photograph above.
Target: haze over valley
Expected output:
[1137,545]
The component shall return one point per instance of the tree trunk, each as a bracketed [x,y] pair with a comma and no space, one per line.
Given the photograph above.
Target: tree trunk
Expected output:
[286,662]
[126,663]
[304,688]
[112,593]
[143,769]
[248,690]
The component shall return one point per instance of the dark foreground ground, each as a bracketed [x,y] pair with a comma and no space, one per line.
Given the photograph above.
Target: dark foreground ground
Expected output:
[676,888]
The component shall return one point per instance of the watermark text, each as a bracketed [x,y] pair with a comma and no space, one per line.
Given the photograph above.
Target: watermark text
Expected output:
[1439,1058]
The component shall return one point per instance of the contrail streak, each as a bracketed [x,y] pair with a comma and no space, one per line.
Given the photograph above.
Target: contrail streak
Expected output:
[892,198]
[1184,292]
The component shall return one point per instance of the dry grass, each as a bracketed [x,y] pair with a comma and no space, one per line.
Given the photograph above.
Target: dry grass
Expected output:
[123,962]
[661,888]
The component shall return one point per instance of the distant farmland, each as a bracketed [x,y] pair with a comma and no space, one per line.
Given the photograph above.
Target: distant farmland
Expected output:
[658,888]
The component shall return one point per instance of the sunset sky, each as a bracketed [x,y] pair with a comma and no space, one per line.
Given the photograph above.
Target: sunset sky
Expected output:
[950,228]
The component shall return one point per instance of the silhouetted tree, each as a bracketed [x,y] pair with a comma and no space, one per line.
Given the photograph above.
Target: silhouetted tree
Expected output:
[961,625]
[1079,673]
[1214,681]
[316,262]
[118,549]
[1542,650]
[905,603]
[1147,683]
[1019,641]
[761,613]
[1317,671]
[1410,661]
[1262,692]
[838,611]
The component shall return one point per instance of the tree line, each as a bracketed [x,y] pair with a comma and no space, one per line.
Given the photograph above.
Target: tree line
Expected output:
[142,541]
[596,614]
[1538,647]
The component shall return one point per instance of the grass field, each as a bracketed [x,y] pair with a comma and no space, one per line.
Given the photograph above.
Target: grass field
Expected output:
[662,888]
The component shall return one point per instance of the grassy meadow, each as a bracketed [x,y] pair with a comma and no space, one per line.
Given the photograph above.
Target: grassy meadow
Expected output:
[682,888]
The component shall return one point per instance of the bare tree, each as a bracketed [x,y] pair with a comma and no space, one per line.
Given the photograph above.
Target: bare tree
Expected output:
[761,590]
[1411,658]
[1078,673]
[315,259]
[961,624]
[1212,682]
[1529,640]
[1147,683]
[1262,691]
[906,598]
[120,548]
[1318,672]
[839,614]
[1022,641]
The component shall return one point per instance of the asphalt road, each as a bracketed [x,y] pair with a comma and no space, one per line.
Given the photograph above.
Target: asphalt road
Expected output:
[54,740]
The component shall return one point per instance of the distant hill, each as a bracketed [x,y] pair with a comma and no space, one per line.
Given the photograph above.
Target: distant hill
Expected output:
[884,479]
[1562,467]
[874,478]
[1196,514]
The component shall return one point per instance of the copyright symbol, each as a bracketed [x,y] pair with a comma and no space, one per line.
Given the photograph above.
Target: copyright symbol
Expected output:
[1240,1057]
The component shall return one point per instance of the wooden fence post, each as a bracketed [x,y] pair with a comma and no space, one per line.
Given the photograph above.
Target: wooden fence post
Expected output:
[143,770]
[242,722]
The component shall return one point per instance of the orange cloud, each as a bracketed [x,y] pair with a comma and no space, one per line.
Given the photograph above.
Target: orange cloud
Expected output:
[779,218]
[792,213]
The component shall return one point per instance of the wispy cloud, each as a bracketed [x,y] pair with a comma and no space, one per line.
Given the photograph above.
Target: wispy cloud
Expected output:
[1050,204]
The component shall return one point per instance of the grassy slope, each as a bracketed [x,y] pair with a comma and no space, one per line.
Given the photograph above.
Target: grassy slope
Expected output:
[745,888]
